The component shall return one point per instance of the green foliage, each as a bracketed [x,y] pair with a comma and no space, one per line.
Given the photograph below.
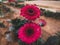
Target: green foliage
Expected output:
[57,15]
[0,3]
[48,13]
[5,9]
[12,4]
[17,23]
[51,14]
[0,11]
[58,34]
[42,9]
[2,25]
[19,5]
[53,40]
[38,42]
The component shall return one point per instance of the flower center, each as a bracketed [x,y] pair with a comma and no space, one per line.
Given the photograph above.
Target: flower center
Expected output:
[30,11]
[29,32]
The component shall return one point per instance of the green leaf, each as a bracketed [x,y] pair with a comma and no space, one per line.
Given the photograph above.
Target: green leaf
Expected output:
[17,23]
[19,5]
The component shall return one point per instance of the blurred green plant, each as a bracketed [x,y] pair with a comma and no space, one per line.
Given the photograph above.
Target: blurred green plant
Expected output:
[12,4]
[53,40]
[58,33]
[51,14]
[17,23]
[19,5]
[38,42]
[2,25]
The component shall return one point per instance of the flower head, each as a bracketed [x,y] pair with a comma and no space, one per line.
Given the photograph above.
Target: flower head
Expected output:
[31,12]
[29,33]
[42,22]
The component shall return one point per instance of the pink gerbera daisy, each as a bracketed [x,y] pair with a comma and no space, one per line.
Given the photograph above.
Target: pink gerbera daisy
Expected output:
[31,12]
[29,33]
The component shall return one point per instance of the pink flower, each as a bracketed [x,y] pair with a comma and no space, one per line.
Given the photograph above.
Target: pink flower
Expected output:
[31,12]
[42,22]
[29,33]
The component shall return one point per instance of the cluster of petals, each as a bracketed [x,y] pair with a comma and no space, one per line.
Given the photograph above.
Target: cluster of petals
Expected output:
[29,33]
[30,12]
